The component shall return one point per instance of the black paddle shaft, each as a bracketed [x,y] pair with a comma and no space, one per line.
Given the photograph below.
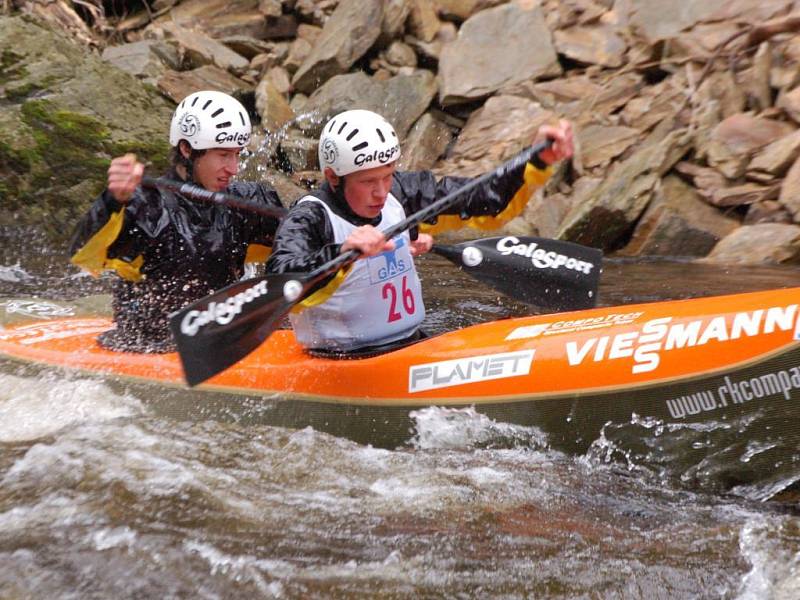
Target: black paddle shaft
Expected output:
[195,192]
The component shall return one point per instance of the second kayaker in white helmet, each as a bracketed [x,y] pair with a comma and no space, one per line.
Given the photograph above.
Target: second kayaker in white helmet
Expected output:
[378,302]
[169,250]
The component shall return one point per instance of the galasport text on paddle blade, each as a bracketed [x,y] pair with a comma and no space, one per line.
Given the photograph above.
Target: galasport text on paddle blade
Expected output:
[550,274]
[217,331]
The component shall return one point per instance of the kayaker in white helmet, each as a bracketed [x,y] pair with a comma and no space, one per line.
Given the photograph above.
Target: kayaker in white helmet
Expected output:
[169,250]
[378,304]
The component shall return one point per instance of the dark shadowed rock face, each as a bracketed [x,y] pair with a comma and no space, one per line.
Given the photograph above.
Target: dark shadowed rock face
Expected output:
[64,113]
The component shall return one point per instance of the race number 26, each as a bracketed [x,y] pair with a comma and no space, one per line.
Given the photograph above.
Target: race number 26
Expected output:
[390,293]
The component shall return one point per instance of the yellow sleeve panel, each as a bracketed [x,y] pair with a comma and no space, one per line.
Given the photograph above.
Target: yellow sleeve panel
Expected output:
[93,255]
[257,253]
[323,294]
[533,179]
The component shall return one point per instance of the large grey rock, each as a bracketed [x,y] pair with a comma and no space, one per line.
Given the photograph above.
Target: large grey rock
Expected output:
[179,84]
[272,106]
[348,34]
[395,15]
[401,99]
[220,18]
[611,210]
[426,142]
[495,48]
[64,112]
[767,243]
[776,158]
[654,104]
[599,144]
[495,132]
[734,141]
[546,211]
[301,153]
[201,50]
[147,60]
[657,20]
[678,223]
[768,211]
[591,45]
[423,23]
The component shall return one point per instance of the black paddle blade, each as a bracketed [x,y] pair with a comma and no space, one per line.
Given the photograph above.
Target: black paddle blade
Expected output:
[215,332]
[550,274]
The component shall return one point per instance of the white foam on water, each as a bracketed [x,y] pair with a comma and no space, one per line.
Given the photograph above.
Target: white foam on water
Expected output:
[244,567]
[51,510]
[267,574]
[423,489]
[117,537]
[459,428]
[775,571]
[14,273]
[33,407]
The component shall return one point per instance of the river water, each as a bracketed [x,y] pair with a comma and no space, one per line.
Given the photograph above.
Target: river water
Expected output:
[102,497]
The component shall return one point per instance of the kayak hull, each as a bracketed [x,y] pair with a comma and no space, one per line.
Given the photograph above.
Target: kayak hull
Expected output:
[723,372]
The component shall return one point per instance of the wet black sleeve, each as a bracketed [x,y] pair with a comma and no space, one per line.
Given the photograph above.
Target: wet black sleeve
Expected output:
[95,218]
[263,228]
[303,241]
[418,189]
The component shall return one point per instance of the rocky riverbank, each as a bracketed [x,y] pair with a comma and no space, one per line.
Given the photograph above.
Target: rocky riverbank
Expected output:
[686,114]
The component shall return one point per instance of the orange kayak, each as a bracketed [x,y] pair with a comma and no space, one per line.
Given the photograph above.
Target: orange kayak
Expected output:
[704,360]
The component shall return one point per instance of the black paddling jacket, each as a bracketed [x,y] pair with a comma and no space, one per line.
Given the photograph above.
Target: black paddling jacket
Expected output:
[305,238]
[168,251]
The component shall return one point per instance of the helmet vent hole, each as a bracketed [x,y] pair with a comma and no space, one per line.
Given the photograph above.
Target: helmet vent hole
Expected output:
[394,134]
[205,106]
[241,116]
[380,135]
[352,135]
[217,112]
[333,122]
[223,125]
[360,146]
[196,98]
[342,128]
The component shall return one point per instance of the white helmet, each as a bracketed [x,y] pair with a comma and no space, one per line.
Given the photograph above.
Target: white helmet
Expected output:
[356,140]
[210,119]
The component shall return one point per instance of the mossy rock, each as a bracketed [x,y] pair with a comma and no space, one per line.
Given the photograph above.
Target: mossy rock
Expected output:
[65,113]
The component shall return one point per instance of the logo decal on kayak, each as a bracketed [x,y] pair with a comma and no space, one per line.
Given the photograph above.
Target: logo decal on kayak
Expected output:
[38,309]
[645,346]
[447,373]
[540,257]
[389,264]
[571,326]
[28,335]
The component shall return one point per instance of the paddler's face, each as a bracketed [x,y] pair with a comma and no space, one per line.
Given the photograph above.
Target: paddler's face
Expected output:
[366,191]
[216,167]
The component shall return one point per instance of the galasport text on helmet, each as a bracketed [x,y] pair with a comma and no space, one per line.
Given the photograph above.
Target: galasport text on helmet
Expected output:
[210,119]
[356,140]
